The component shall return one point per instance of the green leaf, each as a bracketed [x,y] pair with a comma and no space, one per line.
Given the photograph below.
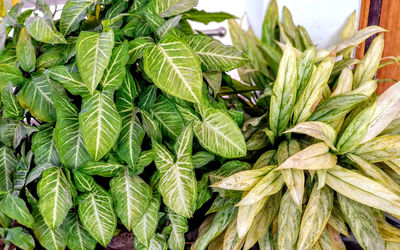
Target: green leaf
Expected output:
[219,134]
[362,223]
[20,238]
[218,225]
[26,53]
[115,71]
[105,169]
[136,48]
[72,81]
[177,179]
[147,97]
[288,223]
[83,182]
[363,190]
[381,148]
[52,57]
[170,119]
[126,94]
[356,130]
[171,8]
[100,124]
[130,138]
[8,162]
[93,53]
[131,196]
[174,68]
[72,13]
[10,73]
[7,131]
[97,216]
[11,107]
[49,239]
[170,24]
[315,216]
[334,108]
[16,209]
[38,28]
[151,126]
[77,236]
[36,96]
[55,198]
[206,17]
[305,69]
[214,55]
[313,90]
[179,228]
[44,148]
[284,92]
[67,135]
[146,226]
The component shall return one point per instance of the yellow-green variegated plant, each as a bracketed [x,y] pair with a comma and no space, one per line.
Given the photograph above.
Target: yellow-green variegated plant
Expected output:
[324,149]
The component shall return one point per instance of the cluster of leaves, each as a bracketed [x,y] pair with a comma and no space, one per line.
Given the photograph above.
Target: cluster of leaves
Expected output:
[324,149]
[110,116]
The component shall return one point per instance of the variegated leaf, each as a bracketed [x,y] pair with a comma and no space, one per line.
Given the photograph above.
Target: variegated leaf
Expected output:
[38,28]
[174,68]
[177,179]
[288,223]
[284,92]
[77,236]
[26,53]
[11,107]
[145,228]
[219,134]
[214,55]
[180,226]
[93,52]
[315,217]
[97,215]
[72,81]
[44,148]
[49,239]
[100,124]
[15,208]
[131,196]
[72,13]
[362,223]
[67,134]
[382,148]
[55,197]
[8,163]
[362,189]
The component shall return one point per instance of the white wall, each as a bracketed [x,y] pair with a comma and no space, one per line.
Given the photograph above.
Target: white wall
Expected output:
[322,18]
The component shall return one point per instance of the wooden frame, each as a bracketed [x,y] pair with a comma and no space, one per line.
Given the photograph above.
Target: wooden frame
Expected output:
[385,14]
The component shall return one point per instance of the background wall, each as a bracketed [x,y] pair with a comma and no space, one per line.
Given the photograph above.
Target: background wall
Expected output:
[322,18]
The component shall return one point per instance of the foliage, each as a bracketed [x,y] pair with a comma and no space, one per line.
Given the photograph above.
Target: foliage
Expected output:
[324,148]
[108,124]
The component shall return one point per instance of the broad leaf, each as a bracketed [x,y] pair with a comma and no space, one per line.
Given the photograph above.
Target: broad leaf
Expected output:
[77,236]
[179,228]
[11,107]
[36,96]
[19,237]
[71,81]
[136,48]
[55,198]
[171,121]
[93,53]
[219,134]
[131,196]
[171,8]
[8,162]
[38,28]
[174,68]
[72,13]
[105,169]
[10,73]
[44,148]
[177,179]
[100,124]
[115,71]
[49,239]
[97,216]
[7,131]
[67,134]
[26,53]
[214,55]
[145,228]
[16,209]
